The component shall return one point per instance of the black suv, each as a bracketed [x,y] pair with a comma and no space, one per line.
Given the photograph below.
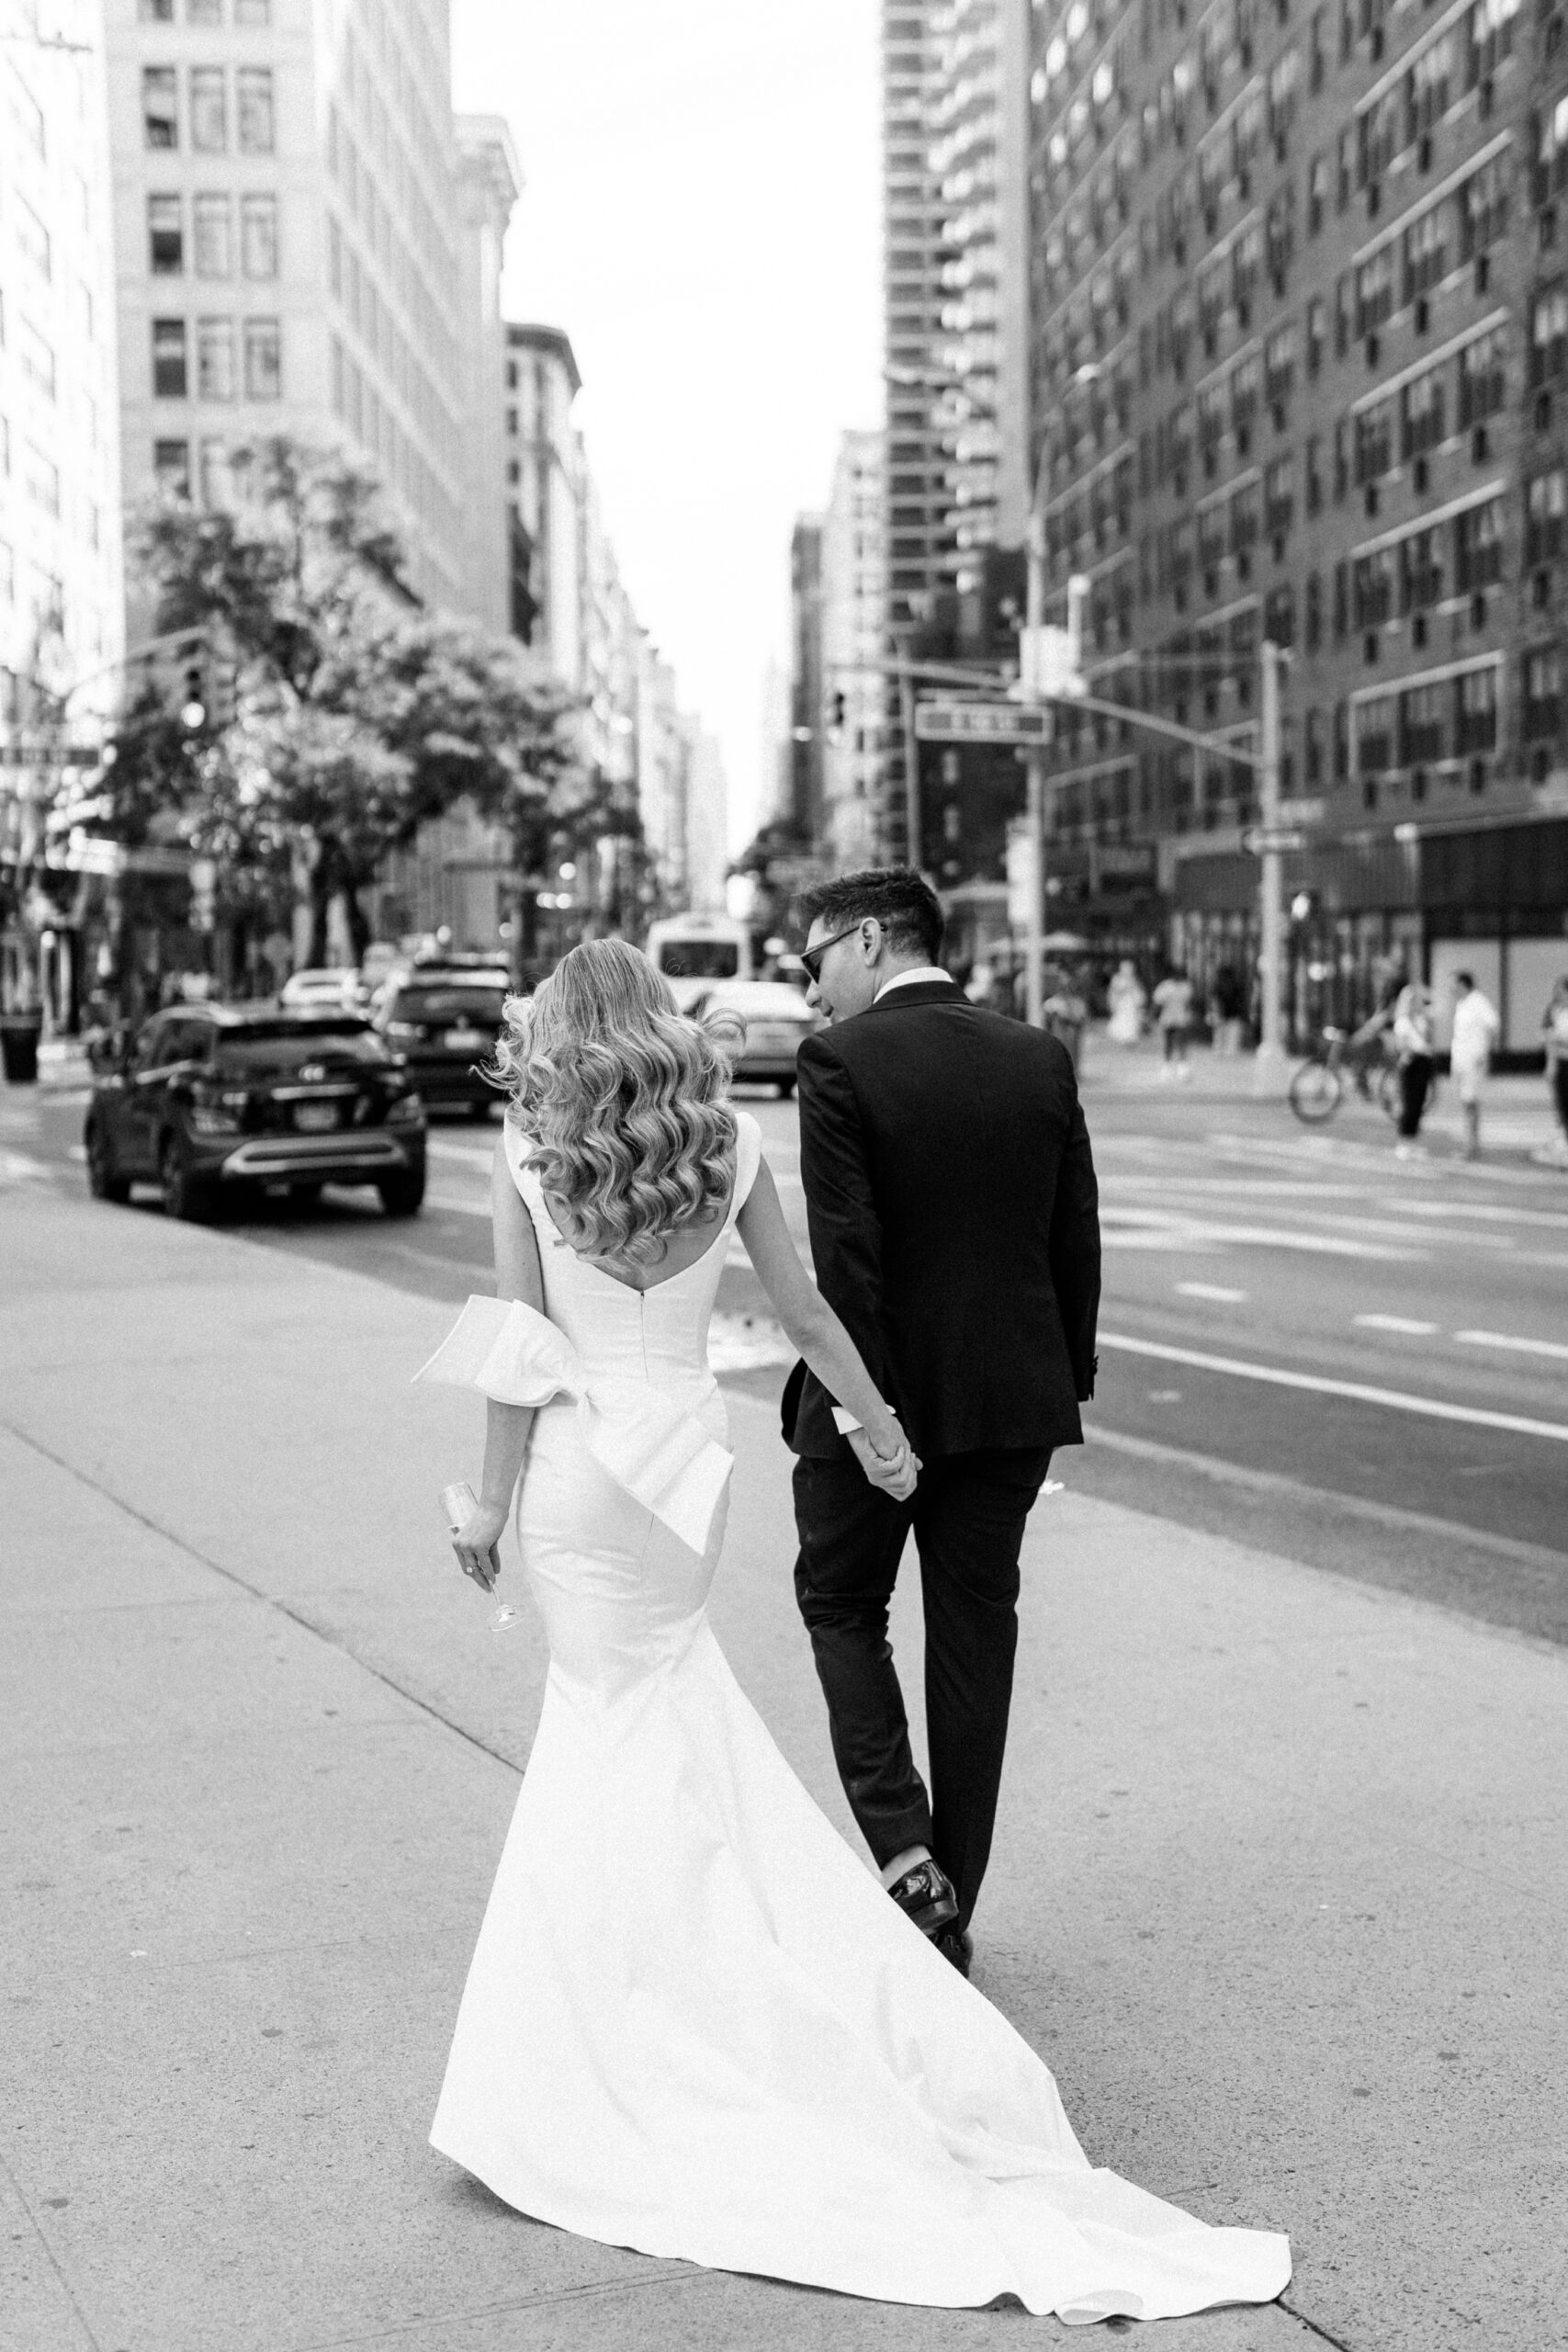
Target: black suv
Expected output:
[440,1025]
[209,1099]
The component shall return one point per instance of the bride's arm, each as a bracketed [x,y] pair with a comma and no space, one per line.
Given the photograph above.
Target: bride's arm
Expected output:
[807,1320]
[518,1274]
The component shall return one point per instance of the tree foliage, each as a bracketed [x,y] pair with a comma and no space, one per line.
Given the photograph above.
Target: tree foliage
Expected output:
[358,715]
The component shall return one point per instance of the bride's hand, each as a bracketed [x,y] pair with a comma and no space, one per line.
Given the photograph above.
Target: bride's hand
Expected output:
[476,1544]
[894,1473]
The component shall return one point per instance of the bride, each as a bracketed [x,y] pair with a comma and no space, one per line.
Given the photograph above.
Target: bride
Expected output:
[694,2024]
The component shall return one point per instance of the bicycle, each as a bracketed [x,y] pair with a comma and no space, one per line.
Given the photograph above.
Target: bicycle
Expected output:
[1317,1088]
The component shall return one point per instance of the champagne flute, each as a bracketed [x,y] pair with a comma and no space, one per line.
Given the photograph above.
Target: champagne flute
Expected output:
[459,1503]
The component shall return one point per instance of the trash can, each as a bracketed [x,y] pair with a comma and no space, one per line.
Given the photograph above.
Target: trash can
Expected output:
[18,1048]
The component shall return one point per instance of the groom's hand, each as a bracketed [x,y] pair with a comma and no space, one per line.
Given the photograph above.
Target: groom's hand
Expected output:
[894,1474]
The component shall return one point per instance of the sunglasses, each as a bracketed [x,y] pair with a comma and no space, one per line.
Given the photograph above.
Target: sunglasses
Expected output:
[811,957]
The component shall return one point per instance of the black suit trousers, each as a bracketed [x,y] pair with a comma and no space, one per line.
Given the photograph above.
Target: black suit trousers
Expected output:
[967,1515]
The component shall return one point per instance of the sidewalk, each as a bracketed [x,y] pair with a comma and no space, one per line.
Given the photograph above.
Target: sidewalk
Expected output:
[1516,1116]
[1278,1890]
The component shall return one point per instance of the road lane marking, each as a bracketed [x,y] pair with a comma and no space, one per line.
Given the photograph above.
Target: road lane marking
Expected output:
[1503,1340]
[1128,1227]
[1271,1482]
[1433,1408]
[1405,1323]
[1216,1291]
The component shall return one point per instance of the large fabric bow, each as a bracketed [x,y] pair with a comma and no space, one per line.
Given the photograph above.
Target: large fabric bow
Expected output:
[660,1453]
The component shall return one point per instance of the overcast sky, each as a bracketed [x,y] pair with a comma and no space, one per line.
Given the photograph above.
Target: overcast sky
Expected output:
[702,215]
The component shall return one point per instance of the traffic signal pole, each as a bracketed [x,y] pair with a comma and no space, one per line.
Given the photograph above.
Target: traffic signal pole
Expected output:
[1269,1069]
[1034,760]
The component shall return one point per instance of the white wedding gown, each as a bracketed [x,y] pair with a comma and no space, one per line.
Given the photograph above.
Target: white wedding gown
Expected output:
[694,2023]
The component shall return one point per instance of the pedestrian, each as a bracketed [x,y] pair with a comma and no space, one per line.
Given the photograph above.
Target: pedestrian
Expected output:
[1173,1012]
[1476,1029]
[1067,1014]
[1127,1002]
[1414,1042]
[1230,1006]
[1554,1030]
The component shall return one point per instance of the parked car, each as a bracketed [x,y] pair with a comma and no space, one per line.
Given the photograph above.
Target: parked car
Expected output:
[205,1101]
[776,1017]
[322,985]
[442,1025]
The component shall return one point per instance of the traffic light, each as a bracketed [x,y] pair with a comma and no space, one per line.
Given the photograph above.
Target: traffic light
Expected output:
[192,705]
[206,697]
[837,706]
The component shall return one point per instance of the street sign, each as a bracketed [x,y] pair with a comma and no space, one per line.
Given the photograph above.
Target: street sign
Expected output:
[1303,813]
[982,722]
[1259,842]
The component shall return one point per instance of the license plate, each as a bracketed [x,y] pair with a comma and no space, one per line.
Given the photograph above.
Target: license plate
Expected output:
[463,1040]
[315,1118]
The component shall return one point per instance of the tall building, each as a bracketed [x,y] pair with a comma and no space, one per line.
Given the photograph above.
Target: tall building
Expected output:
[61,578]
[546,472]
[308,243]
[1300,371]
[917,539]
[806,703]
[707,824]
[854,590]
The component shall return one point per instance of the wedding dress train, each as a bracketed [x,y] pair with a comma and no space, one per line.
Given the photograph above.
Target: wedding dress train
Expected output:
[694,2024]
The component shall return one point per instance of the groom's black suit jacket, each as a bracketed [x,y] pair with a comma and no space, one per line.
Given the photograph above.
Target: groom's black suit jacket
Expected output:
[954,1223]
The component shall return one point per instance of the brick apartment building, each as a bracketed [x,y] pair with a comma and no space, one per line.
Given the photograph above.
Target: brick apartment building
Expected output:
[1300,369]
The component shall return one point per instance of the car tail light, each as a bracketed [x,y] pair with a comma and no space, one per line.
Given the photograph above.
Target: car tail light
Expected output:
[405,1029]
[208,1119]
[404,1111]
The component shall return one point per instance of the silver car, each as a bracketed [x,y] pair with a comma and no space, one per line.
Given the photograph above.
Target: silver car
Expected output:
[776,1017]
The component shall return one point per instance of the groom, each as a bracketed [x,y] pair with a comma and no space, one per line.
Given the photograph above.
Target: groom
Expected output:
[953,1216]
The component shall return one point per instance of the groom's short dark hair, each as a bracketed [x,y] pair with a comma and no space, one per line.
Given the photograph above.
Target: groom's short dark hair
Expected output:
[901,901]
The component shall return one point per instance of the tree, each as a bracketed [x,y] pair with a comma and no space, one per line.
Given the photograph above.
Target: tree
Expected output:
[359,715]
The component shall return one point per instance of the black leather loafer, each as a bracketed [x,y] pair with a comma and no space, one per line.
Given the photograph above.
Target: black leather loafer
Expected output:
[925,1893]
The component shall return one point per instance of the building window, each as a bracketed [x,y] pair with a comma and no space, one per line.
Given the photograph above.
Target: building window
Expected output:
[258,236]
[1546,503]
[166,236]
[264,364]
[208,110]
[1543,695]
[214,233]
[171,468]
[251,13]
[169,359]
[215,359]
[156,12]
[41,476]
[335,257]
[204,12]
[256,130]
[160,107]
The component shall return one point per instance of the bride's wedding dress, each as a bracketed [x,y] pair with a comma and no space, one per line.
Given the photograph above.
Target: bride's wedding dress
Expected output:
[694,2023]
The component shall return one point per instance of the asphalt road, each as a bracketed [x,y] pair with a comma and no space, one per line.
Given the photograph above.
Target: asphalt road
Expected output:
[1350,1362]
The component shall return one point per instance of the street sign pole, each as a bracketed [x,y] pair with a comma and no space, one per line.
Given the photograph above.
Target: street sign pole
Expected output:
[1035,768]
[1270,1067]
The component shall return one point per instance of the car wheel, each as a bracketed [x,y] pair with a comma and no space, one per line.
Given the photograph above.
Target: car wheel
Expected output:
[306,1195]
[479,1111]
[103,1181]
[786,1088]
[402,1195]
[184,1197]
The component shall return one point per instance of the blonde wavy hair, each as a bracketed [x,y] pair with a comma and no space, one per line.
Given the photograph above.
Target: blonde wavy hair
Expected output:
[623,1099]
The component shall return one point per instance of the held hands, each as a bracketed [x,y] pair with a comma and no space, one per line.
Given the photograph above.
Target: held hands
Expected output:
[476,1544]
[894,1473]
